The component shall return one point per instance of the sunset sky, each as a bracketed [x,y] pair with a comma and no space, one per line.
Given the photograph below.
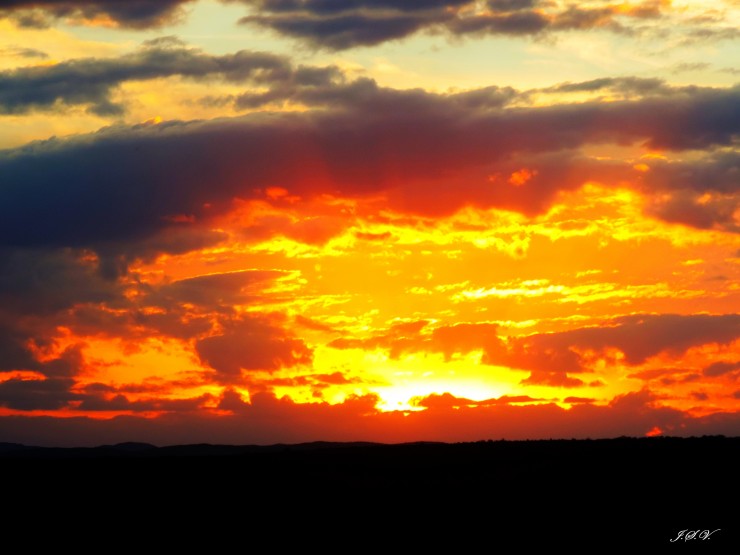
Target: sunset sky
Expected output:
[263,221]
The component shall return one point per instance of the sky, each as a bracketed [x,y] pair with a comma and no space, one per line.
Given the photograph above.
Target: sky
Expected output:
[266,221]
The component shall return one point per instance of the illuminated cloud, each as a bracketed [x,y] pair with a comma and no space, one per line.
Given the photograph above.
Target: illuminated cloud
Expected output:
[512,218]
[551,357]
[268,420]
[421,144]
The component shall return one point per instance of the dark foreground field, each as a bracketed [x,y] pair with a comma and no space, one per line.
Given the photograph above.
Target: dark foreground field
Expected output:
[583,494]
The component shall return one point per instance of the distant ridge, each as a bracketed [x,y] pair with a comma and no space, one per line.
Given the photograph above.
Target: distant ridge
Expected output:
[620,445]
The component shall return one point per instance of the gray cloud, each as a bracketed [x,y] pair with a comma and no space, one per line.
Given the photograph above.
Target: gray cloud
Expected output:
[44,282]
[338,26]
[625,85]
[90,81]
[136,14]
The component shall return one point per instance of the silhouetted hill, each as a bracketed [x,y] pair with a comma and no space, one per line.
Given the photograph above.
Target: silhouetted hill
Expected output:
[630,492]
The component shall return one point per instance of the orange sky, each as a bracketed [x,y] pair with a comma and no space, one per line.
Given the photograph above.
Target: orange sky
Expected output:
[288,233]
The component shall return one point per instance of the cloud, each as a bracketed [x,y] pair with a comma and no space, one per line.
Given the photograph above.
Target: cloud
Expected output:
[268,420]
[337,25]
[552,357]
[340,26]
[90,81]
[18,343]
[135,14]
[388,140]
[640,86]
[214,292]
[690,66]
[688,208]
[449,401]
[23,52]
[44,282]
[252,343]
[347,30]
[512,5]
[56,393]
[721,368]
[573,400]
[638,337]
[122,403]
[26,395]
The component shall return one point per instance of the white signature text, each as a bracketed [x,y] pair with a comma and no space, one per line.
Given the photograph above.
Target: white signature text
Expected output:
[687,535]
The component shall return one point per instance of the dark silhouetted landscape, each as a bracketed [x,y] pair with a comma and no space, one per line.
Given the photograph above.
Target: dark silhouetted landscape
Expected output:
[628,491]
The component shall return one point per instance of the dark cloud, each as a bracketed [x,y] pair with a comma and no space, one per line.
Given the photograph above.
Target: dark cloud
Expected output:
[120,402]
[718,172]
[214,292]
[626,85]
[512,5]
[721,368]
[50,394]
[62,392]
[514,23]
[136,14]
[268,420]
[322,7]
[252,343]
[346,30]
[34,281]
[699,193]
[14,351]
[90,81]
[338,26]
[691,209]
[639,337]
[662,374]
[449,401]
[574,400]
